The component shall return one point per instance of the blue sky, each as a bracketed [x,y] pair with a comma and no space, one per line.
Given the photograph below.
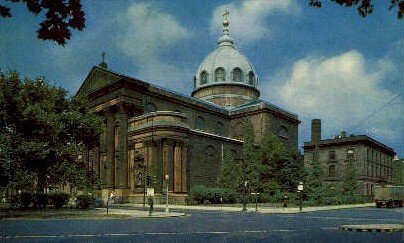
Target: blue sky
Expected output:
[324,63]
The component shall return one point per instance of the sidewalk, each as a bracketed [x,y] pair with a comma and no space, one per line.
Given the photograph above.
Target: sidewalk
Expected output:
[93,214]
[251,208]
[138,213]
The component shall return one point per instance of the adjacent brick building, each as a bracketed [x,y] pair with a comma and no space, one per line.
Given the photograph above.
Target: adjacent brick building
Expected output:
[151,131]
[373,160]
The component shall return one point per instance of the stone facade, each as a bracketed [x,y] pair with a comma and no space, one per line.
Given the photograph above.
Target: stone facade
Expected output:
[372,159]
[148,130]
[150,133]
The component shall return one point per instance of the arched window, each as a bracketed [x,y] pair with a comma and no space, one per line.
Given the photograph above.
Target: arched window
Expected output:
[233,154]
[331,170]
[200,123]
[150,107]
[237,74]
[210,152]
[204,77]
[220,75]
[194,81]
[250,78]
[219,128]
[283,132]
[238,132]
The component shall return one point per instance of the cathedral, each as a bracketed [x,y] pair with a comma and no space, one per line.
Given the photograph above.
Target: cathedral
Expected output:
[158,138]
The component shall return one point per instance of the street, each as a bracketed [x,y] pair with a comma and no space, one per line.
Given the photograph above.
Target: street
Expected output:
[204,226]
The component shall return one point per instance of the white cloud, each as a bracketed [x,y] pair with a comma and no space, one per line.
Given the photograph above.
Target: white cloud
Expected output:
[149,32]
[248,20]
[343,91]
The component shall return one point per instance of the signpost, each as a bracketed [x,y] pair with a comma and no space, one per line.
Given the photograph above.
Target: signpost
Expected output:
[244,197]
[300,191]
[150,195]
[167,178]
[256,200]
[111,196]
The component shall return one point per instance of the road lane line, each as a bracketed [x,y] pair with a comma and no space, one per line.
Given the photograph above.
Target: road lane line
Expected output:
[157,233]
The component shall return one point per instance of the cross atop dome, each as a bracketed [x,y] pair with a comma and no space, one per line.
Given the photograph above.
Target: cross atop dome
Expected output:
[225,39]
[225,16]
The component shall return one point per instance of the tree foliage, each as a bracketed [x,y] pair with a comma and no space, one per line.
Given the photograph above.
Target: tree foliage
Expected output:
[61,17]
[398,172]
[267,166]
[350,183]
[42,133]
[364,7]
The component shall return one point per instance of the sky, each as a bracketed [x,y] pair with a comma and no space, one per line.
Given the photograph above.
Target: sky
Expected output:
[326,63]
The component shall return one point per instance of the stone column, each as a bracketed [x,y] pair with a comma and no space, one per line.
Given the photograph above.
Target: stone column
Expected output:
[96,162]
[110,160]
[177,167]
[168,161]
[121,166]
[184,168]
[103,156]
[131,164]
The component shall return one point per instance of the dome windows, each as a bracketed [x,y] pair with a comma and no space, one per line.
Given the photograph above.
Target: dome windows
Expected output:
[219,128]
[250,78]
[200,123]
[237,75]
[283,132]
[204,77]
[220,75]
[150,107]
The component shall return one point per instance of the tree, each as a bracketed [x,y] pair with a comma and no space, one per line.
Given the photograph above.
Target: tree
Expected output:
[315,189]
[250,165]
[398,172]
[350,182]
[267,166]
[364,7]
[236,172]
[42,134]
[61,17]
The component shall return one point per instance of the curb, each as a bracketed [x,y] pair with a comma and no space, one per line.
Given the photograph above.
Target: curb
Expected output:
[382,228]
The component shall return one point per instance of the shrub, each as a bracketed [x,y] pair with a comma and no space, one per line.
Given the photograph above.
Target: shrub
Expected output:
[85,201]
[198,194]
[25,199]
[98,202]
[41,200]
[58,200]
[205,195]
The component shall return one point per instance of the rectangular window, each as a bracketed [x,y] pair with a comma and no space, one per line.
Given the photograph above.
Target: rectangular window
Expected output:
[331,170]
[350,154]
[331,155]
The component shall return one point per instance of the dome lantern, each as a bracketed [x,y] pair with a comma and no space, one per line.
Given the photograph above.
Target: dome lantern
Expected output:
[226,77]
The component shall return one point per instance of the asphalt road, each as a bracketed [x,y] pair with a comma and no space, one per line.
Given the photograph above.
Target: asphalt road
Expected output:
[211,227]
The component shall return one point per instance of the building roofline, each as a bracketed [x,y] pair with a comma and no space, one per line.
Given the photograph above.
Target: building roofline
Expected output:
[152,88]
[348,140]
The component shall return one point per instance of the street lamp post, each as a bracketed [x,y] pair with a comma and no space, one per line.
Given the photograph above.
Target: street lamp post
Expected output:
[244,196]
[300,191]
[167,178]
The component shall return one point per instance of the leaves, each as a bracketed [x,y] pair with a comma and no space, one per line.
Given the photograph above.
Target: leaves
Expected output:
[61,17]
[364,7]
[42,133]
[268,167]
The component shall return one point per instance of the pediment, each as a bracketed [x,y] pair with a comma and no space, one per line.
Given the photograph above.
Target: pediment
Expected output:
[96,79]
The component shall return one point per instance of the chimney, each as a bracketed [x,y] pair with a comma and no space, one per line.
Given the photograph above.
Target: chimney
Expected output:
[315,130]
